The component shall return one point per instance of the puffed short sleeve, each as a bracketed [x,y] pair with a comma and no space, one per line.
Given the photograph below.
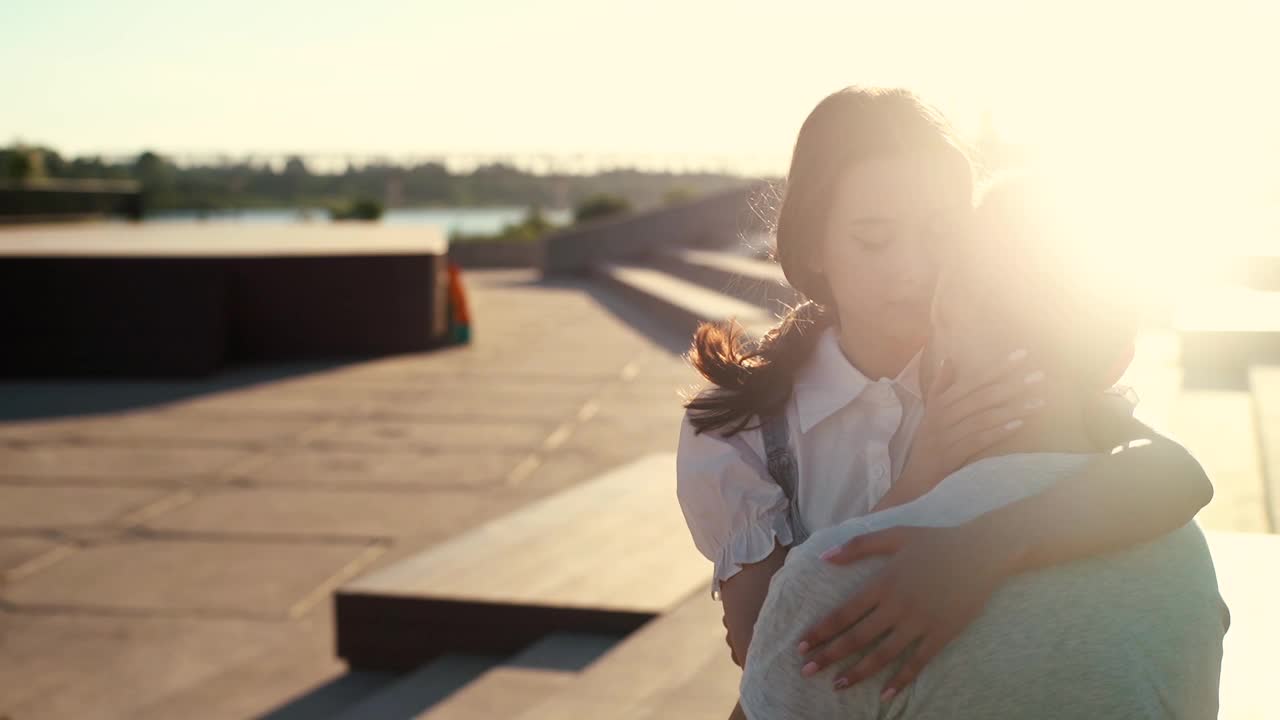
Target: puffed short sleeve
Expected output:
[735,511]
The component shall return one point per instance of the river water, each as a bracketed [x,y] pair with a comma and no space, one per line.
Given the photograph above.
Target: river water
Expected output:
[470,220]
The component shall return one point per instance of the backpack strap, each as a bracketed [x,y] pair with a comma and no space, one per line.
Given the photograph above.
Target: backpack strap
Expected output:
[783,469]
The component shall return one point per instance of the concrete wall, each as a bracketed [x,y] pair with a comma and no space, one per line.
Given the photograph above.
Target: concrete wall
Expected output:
[712,221]
[496,254]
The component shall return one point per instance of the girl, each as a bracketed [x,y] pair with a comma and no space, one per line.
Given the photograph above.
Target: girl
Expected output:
[823,419]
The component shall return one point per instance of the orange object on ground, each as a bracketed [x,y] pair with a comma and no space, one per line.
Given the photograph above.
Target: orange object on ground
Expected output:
[459,312]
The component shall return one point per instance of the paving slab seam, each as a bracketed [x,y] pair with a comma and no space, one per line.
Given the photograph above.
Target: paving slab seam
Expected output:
[477,418]
[232,415]
[309,601]
[234,536]
[564,431]
[168,613]
[248,483]
[71,536]
[426,450]
[36,564]
[42,533]
[142,441]
[94,535]
[97,481]
[241,465]
[157,508]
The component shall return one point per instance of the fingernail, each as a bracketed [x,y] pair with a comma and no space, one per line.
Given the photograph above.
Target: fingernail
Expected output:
[842,683]
[830,553]
[887,695]
[803,647]
[809,669]
[1035,404]
[1017,355]
[1013,425]
[1035,377]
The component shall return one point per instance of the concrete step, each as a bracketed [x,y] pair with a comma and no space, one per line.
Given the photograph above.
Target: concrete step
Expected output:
[1244,565]
[605,556]
[679,303]
[677,666]
[1224,330]
[419,690]
[758,282]
[528,678]
[1264,387]
[1219,428]
[452,687]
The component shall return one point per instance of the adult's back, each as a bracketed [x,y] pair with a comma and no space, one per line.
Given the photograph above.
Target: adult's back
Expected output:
[1133,634]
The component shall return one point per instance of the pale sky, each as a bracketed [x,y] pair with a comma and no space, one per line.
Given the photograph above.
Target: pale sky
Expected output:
[729,79]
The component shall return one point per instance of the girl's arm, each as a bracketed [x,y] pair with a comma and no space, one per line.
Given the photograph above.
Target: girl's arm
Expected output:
[1147,489]
[939,579]
[742,596]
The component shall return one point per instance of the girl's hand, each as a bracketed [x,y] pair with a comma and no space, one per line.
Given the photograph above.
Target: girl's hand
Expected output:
[962,419]
[935,583]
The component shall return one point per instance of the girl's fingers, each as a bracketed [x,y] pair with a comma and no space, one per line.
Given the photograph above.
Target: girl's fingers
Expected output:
[970,445]
[881,542]
[1008,417]
[889,649]
[856,640]
[911,668]
[842,619]
[1014,394]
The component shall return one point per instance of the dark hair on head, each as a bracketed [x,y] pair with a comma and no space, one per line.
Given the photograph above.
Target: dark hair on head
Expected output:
[849,126]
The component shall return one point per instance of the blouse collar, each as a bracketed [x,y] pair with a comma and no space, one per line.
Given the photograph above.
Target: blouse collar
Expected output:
[828,381]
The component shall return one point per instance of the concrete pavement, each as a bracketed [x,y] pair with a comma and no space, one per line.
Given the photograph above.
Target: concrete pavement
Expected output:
[174,558]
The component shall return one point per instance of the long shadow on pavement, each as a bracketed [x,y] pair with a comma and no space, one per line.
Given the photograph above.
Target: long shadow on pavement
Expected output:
[35,399]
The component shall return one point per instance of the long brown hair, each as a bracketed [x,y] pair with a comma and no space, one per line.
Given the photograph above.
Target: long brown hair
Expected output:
[749,379]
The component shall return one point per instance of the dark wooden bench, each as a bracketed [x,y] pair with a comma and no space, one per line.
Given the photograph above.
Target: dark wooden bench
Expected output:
[603,557]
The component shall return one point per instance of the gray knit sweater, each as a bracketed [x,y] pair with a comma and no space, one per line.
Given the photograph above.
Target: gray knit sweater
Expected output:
[1132,634]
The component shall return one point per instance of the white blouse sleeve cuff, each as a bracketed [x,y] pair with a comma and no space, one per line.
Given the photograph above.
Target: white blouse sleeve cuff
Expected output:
[751,544]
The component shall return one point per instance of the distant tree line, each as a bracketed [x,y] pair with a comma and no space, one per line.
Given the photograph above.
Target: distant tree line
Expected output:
[245,184]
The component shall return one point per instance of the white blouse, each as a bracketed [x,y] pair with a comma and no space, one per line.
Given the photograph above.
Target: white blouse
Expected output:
[850,434]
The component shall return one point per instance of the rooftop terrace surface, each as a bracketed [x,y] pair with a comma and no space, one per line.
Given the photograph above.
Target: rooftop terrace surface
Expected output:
[169,549]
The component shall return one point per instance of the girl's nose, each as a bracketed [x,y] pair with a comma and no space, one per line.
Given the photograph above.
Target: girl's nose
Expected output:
[918,270]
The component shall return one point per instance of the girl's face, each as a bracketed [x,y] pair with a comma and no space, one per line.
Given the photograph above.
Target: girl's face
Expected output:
[891,219]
